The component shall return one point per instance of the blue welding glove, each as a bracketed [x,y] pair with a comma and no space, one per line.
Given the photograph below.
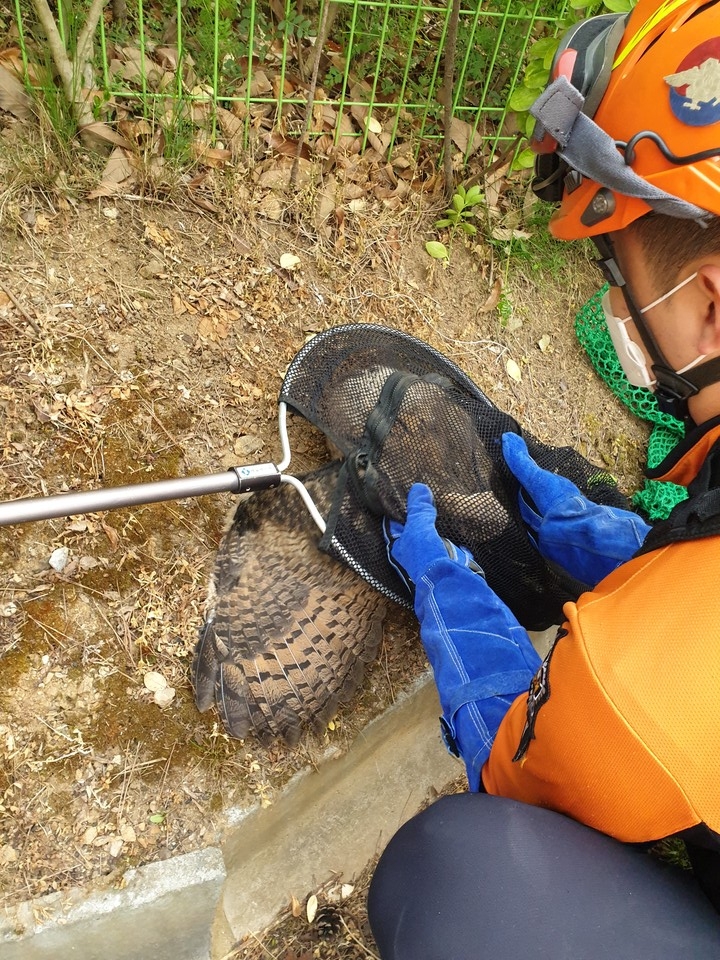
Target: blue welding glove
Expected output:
[588,540]
[481,657]
[421,543]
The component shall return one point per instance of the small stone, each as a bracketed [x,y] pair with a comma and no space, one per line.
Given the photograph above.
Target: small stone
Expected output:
[127,832]
[8,854]
[59,558]
[164,697]
[89,836]
[155,268]
[247,446]
[115,847]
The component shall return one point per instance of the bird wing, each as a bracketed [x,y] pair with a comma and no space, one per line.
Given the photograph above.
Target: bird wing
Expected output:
[287,629]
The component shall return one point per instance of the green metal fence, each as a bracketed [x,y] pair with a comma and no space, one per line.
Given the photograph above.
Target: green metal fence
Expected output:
[374,69]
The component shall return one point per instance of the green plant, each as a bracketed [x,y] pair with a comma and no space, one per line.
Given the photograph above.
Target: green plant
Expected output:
[461,209]
[50,100]
[540,56]
[179,133]
[333,77]
[295,24]
[672,850]
[212,29]
[456,219]
[505,309]
[438,251]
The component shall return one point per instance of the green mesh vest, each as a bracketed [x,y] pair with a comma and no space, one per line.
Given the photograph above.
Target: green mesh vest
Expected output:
[657,498]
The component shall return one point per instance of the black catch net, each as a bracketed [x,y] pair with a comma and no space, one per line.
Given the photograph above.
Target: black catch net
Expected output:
[400,413]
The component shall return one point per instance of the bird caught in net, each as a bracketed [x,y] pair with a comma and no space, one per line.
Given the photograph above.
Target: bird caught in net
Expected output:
[292,617]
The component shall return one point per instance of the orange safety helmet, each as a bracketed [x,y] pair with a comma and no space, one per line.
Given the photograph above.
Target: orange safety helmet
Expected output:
[630,121]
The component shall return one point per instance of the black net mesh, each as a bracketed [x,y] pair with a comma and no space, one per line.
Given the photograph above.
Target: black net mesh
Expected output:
[400,412]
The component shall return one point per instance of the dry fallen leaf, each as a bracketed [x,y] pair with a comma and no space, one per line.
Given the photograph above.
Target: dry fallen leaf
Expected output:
[89,836]
[506,233]
[163,693]
[271,207]
[233,129]
[544,342]
[213,328]
[460,134]
[161,236]
[513,370]
[312,906]
[288,261]
[340,892]
[493,297]
[118,172]
[13,96]
[154,681]
[295,907]
[212,156]
[102,135]
[115,846]
[42,224]
[287,147]
[325,203]
[8,854]
[112,535]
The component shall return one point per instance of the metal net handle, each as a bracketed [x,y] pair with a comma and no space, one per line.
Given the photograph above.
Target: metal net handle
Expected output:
[242,479]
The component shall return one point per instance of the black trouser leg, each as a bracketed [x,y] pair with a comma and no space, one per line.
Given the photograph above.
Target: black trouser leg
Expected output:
[477,876]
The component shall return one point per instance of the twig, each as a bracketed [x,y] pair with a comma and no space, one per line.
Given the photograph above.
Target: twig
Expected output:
[234,951]
[449,84]
[20,307]
[366,950]
[13,326]
[319,44]
[504,155]
[71,72]
[85,37]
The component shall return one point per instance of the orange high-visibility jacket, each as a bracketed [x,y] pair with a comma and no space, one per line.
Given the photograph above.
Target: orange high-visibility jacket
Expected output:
[622,726]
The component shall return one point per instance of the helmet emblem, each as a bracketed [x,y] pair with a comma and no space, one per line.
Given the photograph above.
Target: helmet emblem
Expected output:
[695,86]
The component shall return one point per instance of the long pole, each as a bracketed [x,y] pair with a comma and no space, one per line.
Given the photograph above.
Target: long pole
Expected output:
[236,480]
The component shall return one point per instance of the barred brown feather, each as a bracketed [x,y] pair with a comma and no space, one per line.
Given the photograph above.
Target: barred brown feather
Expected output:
[288,629]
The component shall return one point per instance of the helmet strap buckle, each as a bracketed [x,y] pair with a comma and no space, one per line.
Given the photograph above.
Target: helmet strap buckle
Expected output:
[607,262]
[672,392]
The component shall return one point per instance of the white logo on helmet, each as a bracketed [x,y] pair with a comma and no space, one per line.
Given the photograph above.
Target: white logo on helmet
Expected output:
[702,83]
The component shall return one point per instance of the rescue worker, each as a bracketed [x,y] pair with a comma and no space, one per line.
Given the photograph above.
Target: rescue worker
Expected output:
[618,728]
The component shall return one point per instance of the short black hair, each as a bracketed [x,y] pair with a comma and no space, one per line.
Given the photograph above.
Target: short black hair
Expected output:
[671,243]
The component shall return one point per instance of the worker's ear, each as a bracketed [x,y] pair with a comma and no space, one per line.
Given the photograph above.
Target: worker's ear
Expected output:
[709,280]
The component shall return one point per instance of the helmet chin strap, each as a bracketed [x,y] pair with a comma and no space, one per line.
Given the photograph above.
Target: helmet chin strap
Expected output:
[673,389]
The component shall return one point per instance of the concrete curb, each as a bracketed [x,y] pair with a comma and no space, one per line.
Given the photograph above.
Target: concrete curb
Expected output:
[162,911]
[327,823]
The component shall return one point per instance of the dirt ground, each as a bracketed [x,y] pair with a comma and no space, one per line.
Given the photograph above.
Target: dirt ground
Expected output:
[147,339]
